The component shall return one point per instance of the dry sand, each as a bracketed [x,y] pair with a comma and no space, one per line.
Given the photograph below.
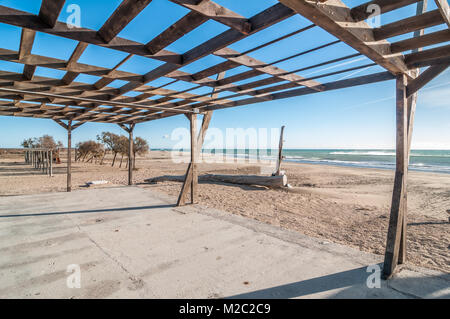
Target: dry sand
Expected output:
[344,205]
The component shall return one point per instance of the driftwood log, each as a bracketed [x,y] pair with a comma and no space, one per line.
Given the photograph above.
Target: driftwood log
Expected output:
[267,181]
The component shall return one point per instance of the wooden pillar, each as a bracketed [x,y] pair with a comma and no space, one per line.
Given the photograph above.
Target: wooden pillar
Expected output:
[51,164]
[194,156]
[397,222]
[130,155]
[280,153]
[69,156]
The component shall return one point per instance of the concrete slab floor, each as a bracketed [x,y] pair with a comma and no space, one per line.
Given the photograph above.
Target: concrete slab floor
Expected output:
[130,242]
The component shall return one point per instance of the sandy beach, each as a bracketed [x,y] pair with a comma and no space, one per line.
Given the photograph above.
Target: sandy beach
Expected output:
[349,206]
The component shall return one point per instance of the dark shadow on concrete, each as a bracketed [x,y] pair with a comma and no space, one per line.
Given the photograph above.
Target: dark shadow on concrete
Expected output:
[354,285]
[90,211]
[311,286]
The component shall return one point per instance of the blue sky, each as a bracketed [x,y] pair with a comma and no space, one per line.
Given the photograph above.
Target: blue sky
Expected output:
[360,117]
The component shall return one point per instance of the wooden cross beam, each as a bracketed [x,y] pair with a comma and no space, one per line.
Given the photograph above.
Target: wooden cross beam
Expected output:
[362,11]
[423,79]
[123,15]
[26,45]
[214,11]
[421,41]
[50,10]
[408,25]
[357,34]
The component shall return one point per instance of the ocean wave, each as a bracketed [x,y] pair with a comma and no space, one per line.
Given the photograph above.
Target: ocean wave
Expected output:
[371,153]
[384,153]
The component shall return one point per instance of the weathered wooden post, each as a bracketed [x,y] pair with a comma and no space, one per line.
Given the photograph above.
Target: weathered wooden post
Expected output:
[399,197]
[194,156]
[51,164]
[130,155]
[280,153]
[69,156]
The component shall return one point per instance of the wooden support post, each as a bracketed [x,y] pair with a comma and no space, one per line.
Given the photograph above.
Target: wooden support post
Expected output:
[194,155]
[69,156]
[130,155]
[51,164]
[188,182]
[280,153]
[411,109]
[192,169]
[399,197]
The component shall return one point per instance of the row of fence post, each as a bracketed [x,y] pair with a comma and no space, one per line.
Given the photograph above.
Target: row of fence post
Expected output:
[40,159]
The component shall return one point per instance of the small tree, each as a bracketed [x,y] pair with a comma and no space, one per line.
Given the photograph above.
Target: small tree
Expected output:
[112,142]
[140,147]
[29,143]
[91,150]
[122,146]
[45,141]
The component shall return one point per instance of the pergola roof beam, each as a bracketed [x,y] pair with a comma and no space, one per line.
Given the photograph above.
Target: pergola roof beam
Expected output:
[214,11]
[421,41]
[363,12]
[414,23]
[50,10]
[335,17]
[26,20]
[121,17]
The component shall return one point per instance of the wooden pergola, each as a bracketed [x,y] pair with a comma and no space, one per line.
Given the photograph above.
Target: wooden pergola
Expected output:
[71,103]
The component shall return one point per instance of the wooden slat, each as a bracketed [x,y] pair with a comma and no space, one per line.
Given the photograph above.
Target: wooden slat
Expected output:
[26,20]
[414,59]
[50,10]
[444,8]
[26,46]
[26,43]
[414,23]
[362,11]
[121,17]
[422,80]
[74,69]
[259,22]
[69,77]
[183,26]
[245,60]
[329,15]
[28,72]
[357,81]
[421,42]
[214,11]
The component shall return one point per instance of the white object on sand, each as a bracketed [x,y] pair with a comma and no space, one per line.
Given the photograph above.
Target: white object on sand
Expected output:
[94,183]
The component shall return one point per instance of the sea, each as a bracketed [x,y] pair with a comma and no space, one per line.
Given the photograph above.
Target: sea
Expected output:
[421,160]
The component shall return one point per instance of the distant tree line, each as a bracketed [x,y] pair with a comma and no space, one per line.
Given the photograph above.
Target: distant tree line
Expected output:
[95,151]
[109,142]
[45,141]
